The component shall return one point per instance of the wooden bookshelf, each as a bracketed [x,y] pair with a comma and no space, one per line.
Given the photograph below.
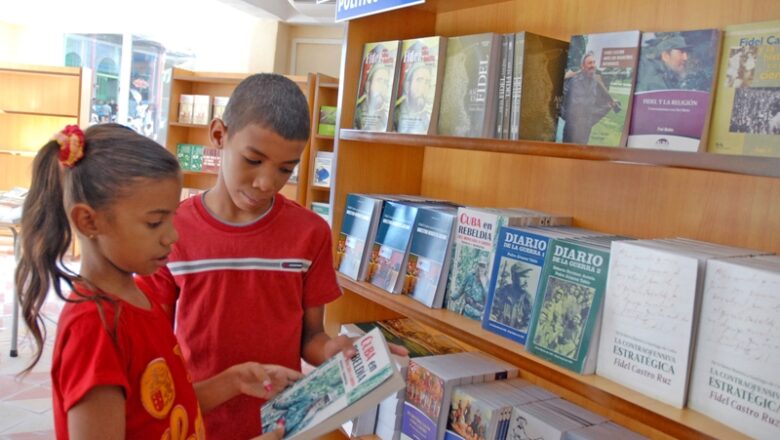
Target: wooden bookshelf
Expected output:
[186,82]
[35,103]
[733,200]
[325,92]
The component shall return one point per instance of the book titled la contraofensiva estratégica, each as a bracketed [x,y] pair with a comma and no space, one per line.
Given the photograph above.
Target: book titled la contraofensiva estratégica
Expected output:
[336,391]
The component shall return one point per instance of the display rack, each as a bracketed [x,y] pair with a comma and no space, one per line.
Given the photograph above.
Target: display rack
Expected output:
[723,199]
[326,91]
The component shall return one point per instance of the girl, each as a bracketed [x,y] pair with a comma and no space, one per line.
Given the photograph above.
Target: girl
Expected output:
[117,370]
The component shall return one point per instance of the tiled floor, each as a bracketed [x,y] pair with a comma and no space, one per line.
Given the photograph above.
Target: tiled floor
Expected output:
[25,402]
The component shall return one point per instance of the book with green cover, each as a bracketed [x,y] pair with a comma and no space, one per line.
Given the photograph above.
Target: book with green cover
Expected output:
[567,311]
[746,117]
[418,89]
[327,124]
[537,86]
[470,88]
[378,73]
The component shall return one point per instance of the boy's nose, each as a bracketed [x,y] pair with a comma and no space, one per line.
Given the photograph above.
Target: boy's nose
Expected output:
[264,182]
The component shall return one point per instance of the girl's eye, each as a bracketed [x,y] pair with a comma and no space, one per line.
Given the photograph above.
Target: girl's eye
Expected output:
[252,162]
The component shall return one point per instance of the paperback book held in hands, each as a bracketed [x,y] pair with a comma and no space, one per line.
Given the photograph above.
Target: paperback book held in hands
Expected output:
[336,391]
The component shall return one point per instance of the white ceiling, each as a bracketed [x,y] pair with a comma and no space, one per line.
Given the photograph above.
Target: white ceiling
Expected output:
[289,11]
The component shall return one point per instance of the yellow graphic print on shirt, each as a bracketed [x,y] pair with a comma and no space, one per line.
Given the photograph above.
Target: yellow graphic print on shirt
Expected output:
[157,389]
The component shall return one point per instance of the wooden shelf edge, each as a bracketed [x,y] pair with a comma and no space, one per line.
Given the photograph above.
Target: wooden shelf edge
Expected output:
[49,115]
[612,397]
[319,188]
[180,124]
[198,173]
[324,137]
[748,165]
[329,85]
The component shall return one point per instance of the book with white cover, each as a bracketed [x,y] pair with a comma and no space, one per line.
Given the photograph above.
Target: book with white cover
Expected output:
[650,310]
[735,377]
[336,391]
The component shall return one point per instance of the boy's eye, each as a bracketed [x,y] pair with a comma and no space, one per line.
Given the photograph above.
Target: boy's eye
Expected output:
[252,162]
[286,170]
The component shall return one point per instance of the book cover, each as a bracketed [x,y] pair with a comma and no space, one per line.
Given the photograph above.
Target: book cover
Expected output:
[294,175]
[674,86]
[567,309]
[430,255]
[746,117]
[537,86]
[323,166]
[358,227]
[336,391]
[212,160]
[735,370]
[185,108]
[196,157]
[419,339]
[418,89]
[327,124]
[391,246]
[378,73]
[201,109]
[184,156]
[597,89]
[469,92]
[220,102]
[321,209]
[517,267]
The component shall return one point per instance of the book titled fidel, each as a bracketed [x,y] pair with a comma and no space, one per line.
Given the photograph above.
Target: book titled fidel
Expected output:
[338,390]
[746,118]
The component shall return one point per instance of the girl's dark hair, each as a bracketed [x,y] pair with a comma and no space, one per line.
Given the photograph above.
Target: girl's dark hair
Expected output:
[114,157]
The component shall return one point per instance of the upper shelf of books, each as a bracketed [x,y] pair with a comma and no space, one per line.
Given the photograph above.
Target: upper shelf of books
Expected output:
[749,165]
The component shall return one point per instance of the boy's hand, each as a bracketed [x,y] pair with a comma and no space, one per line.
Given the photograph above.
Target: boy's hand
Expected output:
[340,343]
[276,434]
[263,381]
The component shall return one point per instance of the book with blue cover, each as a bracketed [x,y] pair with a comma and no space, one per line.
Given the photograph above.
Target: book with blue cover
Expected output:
[390,248]
[361,216]
[430,255]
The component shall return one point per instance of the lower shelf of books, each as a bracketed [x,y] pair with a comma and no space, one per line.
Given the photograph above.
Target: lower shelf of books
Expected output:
[364,302]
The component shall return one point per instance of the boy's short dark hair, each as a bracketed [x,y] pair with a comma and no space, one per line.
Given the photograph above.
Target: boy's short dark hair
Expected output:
[271,101]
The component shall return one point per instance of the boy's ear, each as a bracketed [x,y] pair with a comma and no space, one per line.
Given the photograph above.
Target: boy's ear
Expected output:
[217,133]
[84,219]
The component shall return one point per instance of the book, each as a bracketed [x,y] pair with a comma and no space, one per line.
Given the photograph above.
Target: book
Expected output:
[11,203]
[566,318]
[550,419]
[418,90]
[504,84]
[475,244]
[201,109]
[358,229]
[602,431]
[734,378]
[390,248]
[323,169]
[327,123]
[470,87]
[294,175]
[196,158]
[746,117]
[537,86]
[378,73]
[186,103]
[597,89]
[336,391]
[220,102]
[321,209]
[430,255]
[420,339]
[674,85]
[650,313]
[212,160]
[184,155]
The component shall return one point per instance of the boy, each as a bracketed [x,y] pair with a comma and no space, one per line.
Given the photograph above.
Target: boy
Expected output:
[252,271]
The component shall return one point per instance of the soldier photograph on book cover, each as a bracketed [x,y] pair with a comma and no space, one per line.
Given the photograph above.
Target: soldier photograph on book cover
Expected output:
[301,406]
[425,279]
[513,299]
[424,390]
[388,264]
[563,316]
[468,417]
[469,298]
[349,252]
[418,340]
[375,88]
[756,110]
[677,60]
[416,87]
[597,86]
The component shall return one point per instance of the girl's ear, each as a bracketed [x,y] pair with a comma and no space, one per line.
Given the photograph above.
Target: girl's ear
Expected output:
[84,219]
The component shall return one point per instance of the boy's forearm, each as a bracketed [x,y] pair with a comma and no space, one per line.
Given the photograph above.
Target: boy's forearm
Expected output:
[216,390]
[313,349]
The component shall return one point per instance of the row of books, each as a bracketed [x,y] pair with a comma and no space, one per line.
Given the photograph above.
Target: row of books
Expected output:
[194,157]
[198,109]
[632,88]
[629,310]
[455,392]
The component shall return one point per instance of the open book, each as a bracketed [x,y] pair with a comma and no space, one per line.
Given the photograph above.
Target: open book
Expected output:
[338,390]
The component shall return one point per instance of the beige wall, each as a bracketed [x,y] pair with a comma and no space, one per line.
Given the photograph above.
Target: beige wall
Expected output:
[282,54]
[316,49]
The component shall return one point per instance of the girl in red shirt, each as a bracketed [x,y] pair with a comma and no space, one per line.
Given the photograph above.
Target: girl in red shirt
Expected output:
[117,370]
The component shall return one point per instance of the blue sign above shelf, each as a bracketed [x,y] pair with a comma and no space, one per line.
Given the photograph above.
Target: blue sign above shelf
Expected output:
[351,9]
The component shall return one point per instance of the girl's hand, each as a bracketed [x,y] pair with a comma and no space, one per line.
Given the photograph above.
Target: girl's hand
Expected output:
[276,434]
[262,381]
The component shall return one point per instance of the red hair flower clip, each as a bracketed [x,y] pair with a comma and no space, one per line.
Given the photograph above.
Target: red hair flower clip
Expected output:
[71,140]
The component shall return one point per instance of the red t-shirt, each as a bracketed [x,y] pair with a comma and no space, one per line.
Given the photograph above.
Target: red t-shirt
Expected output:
[240,293]
[145,361]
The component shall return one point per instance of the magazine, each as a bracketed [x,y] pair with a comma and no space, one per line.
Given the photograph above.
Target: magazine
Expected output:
[338,390]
